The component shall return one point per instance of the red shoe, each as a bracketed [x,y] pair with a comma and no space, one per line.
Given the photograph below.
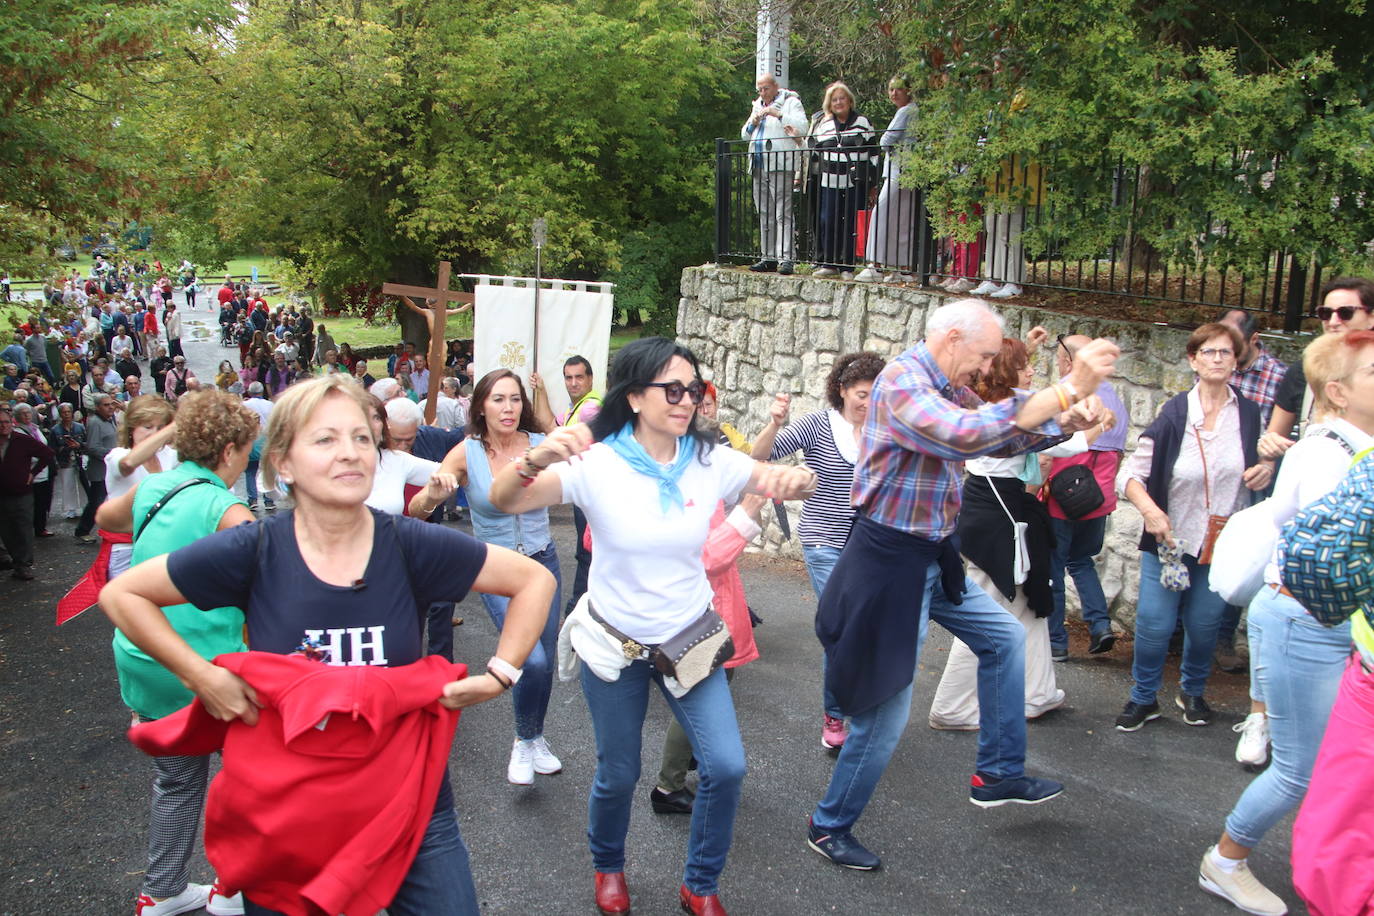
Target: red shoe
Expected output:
[700,906]
[612,896]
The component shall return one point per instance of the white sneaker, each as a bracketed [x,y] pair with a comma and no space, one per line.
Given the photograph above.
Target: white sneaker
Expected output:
[1253,747]
[846,275]
[987,286]
[520,772]
[221,904]
[824,272]
[897,277]
[1054,702]
[1240,887]
[545,763]
[868,275]
[192,898]
[1006,292]
[959,285]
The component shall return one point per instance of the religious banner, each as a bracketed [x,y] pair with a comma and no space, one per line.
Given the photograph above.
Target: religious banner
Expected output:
[574,320]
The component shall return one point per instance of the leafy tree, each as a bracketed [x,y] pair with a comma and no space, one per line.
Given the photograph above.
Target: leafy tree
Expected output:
[364,141]
[70,71]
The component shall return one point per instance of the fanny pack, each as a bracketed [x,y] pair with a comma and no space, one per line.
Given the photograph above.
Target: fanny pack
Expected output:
[689,656]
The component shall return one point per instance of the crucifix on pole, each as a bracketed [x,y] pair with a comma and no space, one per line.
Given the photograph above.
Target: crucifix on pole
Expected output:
[435,311]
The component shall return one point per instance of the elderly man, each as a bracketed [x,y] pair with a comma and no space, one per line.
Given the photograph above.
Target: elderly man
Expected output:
[21,457]
[263,408]
[386,389]
[24,417]
[405,432]
[923,424]
[419,376]
[448,410]
[133,387]
[102,434]
[1258,374]
[775,128]
[1079,541]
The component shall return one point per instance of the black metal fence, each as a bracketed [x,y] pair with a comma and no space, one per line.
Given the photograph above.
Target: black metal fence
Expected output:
[785,206]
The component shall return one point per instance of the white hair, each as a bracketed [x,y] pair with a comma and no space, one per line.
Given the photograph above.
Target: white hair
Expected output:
[403,411]
[385,388]
[964,315]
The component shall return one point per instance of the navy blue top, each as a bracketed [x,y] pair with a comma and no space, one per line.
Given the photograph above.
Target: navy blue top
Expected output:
[378,621]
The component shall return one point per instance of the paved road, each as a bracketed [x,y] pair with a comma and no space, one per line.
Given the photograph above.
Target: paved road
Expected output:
[1125,838]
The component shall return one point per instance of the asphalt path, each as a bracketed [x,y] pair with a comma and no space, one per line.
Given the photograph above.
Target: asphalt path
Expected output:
[1125,838]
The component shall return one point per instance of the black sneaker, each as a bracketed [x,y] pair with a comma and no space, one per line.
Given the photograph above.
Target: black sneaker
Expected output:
[841,848]
[763,266]
[1059,653]
[1195,710]
[1135,715]
[1024,790]
[785,268]
[1102,642]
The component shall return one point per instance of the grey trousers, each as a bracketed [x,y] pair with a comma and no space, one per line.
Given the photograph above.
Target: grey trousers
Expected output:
[773,200]
[179,785]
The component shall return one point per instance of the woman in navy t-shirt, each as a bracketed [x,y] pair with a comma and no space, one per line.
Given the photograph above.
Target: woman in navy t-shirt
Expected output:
[344,580]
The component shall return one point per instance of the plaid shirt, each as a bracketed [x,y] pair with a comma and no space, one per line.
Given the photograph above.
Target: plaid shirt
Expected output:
[1260,382]
[918,434]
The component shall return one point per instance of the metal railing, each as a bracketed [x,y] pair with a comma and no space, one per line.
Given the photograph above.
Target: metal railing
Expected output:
[791,204]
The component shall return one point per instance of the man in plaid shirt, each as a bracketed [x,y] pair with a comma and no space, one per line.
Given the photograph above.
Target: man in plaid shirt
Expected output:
[923,423]
[1258,373]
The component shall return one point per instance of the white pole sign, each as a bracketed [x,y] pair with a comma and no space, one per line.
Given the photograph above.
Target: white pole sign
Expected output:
[772,51]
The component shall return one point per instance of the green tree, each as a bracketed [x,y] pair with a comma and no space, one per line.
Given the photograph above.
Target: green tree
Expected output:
[71,72]
[1251,121]
[364,141]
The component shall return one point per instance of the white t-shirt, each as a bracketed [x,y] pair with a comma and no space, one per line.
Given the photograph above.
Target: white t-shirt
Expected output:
[394,470]
[116,484]
[263,408]
[1310,470]
[647,578]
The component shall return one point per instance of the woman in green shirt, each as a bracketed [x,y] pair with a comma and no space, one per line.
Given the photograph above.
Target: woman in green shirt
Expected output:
[214,436]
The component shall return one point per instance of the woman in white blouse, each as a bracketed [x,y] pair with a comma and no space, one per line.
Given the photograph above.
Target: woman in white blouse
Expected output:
[1296,663]
[145,447]
[649,479]
[1195,461]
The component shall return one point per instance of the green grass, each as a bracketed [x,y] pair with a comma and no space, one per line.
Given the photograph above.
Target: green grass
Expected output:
[236,267]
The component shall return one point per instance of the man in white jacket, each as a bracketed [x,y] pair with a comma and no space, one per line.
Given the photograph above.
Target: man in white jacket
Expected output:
[775,131]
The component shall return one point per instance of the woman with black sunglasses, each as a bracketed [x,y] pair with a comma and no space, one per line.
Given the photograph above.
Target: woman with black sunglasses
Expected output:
[648,478]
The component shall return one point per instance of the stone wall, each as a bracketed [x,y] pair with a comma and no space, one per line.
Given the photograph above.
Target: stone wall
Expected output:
[759,334]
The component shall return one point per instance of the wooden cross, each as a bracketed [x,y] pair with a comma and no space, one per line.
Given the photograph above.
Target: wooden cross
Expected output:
[435,311]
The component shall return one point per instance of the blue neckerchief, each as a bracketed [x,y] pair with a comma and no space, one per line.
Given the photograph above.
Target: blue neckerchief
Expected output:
[627,446]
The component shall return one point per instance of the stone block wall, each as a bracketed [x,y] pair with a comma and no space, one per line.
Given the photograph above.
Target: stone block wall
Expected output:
[760,334]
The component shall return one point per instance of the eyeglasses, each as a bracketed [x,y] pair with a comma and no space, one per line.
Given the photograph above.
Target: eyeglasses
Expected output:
[1216,353]
[673,391]
[1067,349]
[1346,312]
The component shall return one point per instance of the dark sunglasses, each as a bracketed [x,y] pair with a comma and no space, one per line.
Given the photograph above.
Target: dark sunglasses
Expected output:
[1346,312]
[673,391]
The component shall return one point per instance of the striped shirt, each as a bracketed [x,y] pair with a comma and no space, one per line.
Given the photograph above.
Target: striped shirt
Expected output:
[828,515]
[919,432]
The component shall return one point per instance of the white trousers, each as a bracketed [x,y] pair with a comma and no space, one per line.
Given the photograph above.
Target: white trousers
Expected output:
[773,200]
[956,699]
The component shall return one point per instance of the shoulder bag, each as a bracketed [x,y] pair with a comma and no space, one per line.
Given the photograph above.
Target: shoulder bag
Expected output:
[1076,489]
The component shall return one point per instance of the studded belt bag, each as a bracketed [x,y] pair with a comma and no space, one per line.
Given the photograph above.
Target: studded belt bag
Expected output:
[689,656]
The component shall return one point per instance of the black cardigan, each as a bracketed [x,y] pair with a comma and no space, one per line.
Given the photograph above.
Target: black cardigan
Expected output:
[1168,430]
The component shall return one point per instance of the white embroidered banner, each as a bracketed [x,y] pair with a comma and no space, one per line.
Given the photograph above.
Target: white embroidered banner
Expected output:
[574,320]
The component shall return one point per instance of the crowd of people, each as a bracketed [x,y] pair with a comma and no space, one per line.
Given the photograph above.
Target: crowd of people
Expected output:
[945,472]
[864,224]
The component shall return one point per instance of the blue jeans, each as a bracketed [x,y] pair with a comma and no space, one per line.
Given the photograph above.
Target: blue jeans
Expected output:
[708,716]
[1077,544]
[820,563]
[1000,644]
[531,695]
[439,629]
[250,481]
[1299,663]
[439,882]
[1157,612]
